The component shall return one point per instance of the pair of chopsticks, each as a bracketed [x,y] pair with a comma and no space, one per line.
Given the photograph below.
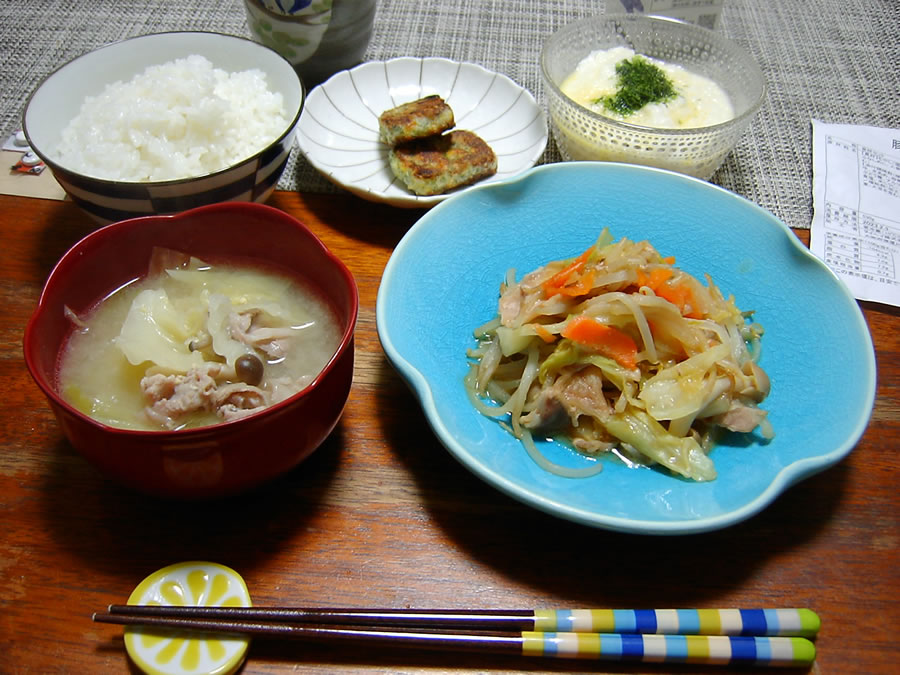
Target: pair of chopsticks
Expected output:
[764,637]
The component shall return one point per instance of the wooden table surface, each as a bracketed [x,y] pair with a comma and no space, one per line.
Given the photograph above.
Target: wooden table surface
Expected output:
[382,515]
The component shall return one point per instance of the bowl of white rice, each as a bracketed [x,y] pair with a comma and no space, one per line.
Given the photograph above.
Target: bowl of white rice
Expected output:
[166,122]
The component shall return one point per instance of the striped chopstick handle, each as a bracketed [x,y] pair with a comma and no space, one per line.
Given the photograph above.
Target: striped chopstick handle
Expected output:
[744,622]
[709,649]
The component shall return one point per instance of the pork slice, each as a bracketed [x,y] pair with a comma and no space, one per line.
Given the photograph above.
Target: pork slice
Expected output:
[740,417]
[172,396]
[570,396]
[272,340]
[583,394]
[510,304]
[237,400]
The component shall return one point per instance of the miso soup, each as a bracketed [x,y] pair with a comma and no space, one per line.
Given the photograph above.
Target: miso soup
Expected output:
[194,344]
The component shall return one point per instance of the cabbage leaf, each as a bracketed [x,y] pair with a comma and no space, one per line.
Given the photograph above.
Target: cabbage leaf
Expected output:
[154,331]
[682,455]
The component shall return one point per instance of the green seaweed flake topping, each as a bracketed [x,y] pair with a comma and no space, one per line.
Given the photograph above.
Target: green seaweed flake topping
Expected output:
[639,82]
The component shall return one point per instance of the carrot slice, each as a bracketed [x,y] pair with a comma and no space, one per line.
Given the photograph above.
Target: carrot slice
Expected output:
[679,294]
[682,296]
[606,340]
[581,287]
[558,281]
[657,277]
[543,333]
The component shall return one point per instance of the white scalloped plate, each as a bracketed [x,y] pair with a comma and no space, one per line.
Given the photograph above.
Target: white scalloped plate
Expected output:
[338,130]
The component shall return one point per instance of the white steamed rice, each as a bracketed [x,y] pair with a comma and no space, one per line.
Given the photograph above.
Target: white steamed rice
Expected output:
[175,120]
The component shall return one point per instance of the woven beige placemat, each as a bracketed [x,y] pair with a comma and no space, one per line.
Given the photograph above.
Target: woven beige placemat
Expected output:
[834,60]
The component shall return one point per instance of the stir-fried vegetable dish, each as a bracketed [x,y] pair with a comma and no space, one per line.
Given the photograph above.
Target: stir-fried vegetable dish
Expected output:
[618,350]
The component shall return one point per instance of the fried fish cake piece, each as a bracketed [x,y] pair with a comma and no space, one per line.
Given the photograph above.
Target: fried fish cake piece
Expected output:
[436,164]
[417,119]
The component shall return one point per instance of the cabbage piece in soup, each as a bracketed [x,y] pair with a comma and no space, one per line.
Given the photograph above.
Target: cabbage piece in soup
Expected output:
[194,344]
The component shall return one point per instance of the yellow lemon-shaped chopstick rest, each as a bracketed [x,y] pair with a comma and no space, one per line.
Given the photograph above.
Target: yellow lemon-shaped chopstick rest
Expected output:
[170,652]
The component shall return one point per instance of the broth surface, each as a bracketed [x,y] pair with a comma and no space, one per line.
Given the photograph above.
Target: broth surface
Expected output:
[183,347]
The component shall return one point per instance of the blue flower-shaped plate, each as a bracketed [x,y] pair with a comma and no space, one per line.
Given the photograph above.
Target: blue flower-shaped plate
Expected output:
[443,280]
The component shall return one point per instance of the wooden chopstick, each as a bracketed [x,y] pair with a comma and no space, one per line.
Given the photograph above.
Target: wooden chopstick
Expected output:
[709,649]
[743,622]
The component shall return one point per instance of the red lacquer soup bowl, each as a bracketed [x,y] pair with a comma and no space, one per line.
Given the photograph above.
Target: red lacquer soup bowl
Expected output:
[219,459]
